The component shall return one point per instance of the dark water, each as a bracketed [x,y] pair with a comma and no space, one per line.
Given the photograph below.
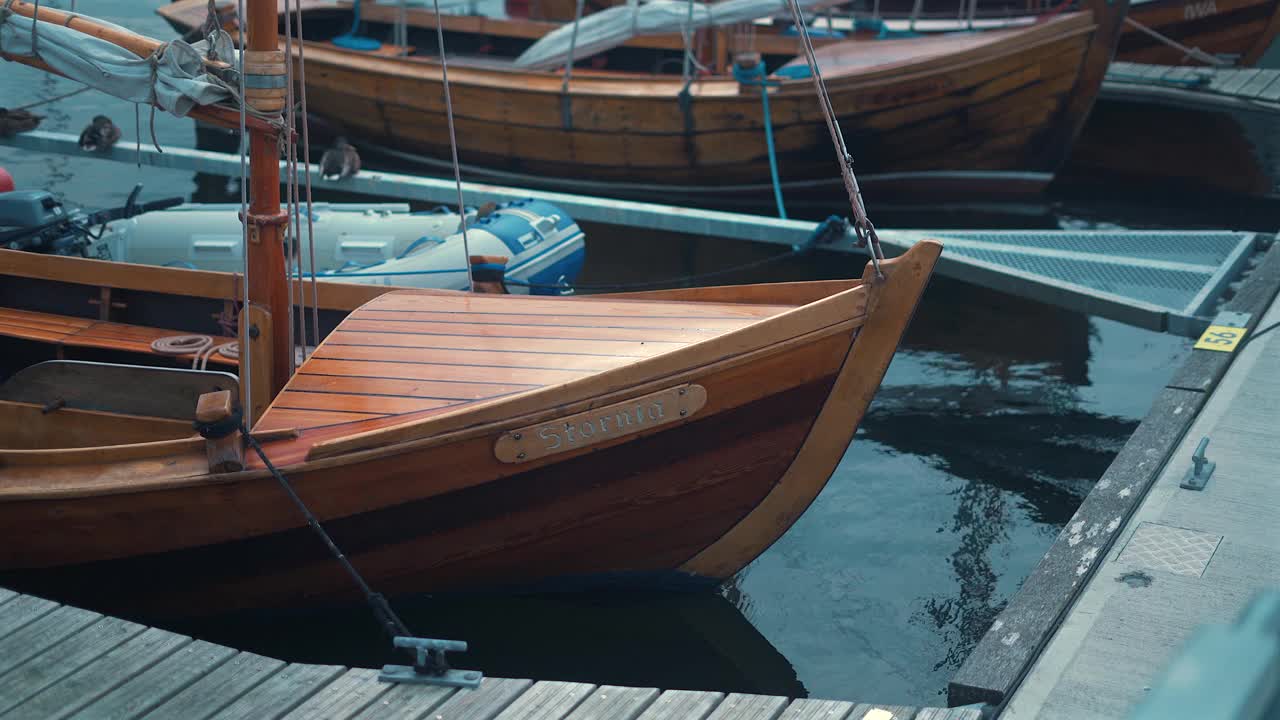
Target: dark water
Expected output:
[992,424]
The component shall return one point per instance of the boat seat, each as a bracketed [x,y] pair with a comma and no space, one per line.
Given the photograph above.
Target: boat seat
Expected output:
[109,387]
[70,331]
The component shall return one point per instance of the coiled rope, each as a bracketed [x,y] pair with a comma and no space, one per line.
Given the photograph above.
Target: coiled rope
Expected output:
[200,347]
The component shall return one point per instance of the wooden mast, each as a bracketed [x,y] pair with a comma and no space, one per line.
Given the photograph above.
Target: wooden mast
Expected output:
[267,311]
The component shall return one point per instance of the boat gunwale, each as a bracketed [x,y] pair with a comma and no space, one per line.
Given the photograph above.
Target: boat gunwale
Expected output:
[387,442]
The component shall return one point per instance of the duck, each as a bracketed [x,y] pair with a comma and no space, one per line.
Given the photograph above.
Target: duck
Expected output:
[99,135]
[340,161]
[13,122]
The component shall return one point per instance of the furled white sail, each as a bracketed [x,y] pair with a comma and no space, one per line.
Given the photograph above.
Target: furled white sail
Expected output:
[173,79]
[610,28]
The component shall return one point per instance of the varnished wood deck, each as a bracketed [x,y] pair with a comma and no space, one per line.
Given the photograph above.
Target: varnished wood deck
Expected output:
[58,661]
[415,353]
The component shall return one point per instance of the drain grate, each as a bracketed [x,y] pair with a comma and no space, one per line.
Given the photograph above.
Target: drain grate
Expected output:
[1170,549]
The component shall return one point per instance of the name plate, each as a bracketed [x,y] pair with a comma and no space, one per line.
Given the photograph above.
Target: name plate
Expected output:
[592,427]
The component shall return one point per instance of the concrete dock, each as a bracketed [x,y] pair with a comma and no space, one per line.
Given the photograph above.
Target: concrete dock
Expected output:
[1146,561]
[58,661]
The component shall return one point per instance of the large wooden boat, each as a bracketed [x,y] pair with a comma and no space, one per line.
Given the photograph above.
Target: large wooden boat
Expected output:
[447,440]
[1138,137]
[1239,31]
[973,113]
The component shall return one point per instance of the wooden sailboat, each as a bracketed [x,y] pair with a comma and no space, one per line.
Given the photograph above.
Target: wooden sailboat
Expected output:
[977,113]
[448,441]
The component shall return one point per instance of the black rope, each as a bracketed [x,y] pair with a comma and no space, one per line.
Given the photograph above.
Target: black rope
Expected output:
[828,231]
[387,619]
[1250,338]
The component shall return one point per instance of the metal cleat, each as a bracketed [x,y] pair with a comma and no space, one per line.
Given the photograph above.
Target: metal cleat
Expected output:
[431,667]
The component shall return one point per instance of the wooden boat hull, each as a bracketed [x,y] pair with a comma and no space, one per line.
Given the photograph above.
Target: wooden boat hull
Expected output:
[1240,28]
[1201,146]
[1000,110]
[145,528]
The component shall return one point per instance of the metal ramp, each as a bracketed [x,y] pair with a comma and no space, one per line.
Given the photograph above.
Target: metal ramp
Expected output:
[1166,281]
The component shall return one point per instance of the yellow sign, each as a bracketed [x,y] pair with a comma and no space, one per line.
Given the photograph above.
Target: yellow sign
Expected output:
[1221,338]
[574,432]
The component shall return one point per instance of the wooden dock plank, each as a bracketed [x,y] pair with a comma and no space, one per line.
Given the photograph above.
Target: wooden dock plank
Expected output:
[610,702]
[682,705]
[407,702]
[547,700]
[948,714]
[817,710]
[280,693]
[6,595]
[72,654]
[219,688]
[492,697]
[1237,81]
[739,706]
[37,636]
[867,711]
[1254,87]
[158,683]
[23,610]
[1271,93]
[343,698]
[97,678]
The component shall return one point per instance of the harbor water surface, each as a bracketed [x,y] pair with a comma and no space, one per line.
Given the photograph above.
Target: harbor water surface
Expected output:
[992,424]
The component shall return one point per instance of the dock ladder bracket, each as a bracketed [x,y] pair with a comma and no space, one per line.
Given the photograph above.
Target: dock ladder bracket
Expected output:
[1201,468]
[431,668]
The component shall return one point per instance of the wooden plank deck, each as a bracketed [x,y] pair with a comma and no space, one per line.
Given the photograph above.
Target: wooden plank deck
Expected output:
[1259,85]
[58,661]
[1149,577]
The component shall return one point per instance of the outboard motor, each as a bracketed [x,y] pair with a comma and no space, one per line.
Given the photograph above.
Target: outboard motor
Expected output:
[36,221]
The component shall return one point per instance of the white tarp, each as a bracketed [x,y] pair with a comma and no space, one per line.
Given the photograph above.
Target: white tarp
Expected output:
[610,28]
[177,84]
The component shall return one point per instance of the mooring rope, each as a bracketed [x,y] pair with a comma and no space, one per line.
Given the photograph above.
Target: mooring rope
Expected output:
[386,617]
[1190,52]
[756,76]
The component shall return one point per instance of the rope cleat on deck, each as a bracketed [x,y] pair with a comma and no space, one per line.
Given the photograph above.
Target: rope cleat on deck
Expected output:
[430,666]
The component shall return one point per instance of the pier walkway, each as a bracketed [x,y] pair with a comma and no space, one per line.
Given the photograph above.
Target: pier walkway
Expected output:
[1256,87]
[58,661]
[1147,560]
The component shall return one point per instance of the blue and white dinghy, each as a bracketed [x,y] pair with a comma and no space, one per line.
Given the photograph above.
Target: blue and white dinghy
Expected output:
[382,243]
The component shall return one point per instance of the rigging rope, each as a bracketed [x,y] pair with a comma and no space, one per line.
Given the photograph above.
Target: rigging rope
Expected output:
[246,365]
[453,140]
[865,231]
[306,153]
[566,103]
[55,98]
[292,222]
